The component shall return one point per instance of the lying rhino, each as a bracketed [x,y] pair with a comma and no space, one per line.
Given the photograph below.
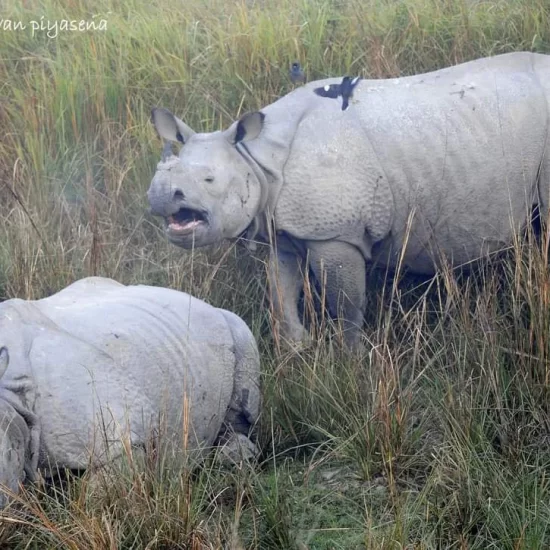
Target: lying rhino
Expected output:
[446,164]
[100,361]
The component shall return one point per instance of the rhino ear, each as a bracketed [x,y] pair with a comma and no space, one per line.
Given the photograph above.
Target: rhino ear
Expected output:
[4,360]
[169,126]
[246,129]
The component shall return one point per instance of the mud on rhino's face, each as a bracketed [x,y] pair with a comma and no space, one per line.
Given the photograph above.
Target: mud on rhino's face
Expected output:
[209,191]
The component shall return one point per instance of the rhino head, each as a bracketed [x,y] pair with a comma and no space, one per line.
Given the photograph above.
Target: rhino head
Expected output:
[211,191]
[14,440]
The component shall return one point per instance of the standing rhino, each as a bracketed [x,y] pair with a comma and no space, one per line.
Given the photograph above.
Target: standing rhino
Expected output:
[100,361]
[442,165]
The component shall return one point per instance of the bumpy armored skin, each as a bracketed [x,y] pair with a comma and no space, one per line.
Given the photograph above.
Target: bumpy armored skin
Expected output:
[102,362]
[443,165]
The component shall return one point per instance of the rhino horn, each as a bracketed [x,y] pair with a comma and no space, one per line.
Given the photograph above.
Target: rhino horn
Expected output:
[170,127]
[246,129]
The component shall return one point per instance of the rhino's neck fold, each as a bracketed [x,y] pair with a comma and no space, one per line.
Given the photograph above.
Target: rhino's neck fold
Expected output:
[262,174]
[270,185]
[268,154]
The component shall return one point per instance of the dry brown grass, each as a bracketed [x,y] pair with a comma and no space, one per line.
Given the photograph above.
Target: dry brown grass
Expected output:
[438,434]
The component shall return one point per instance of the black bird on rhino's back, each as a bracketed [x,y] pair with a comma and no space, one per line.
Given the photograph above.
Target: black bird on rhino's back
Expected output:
[344,89]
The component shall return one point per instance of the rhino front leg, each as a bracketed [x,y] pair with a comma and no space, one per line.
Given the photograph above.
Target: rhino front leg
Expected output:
[285,278]
[341,267]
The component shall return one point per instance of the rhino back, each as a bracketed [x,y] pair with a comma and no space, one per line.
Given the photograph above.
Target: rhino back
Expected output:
[136,353]
[456,149]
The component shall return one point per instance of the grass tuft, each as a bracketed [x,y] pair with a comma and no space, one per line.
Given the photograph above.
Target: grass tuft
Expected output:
[437,437]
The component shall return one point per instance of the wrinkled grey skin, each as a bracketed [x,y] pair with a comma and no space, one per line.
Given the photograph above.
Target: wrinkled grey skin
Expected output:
[14,438]
[443,165]
[100,361]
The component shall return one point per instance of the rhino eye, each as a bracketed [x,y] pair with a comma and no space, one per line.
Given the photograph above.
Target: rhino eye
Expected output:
[209,179]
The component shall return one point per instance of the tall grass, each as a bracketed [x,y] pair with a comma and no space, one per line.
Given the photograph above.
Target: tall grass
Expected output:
[437,438]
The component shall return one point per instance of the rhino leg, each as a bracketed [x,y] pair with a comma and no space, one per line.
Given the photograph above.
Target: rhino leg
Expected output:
[244,407]
[341,267]
[14,442]
[285,284]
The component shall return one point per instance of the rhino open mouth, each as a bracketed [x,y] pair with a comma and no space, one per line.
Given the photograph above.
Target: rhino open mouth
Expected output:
[185,220]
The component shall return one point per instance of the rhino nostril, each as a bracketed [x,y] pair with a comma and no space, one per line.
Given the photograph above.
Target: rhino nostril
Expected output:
[178,194]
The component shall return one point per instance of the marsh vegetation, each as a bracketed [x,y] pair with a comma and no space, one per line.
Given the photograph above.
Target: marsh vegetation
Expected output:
[437,437]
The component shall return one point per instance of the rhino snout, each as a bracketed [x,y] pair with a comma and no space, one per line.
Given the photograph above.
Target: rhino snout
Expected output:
[165,203]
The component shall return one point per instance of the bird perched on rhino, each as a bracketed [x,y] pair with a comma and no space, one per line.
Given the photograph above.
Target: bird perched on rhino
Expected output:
[344,89]
[297,74]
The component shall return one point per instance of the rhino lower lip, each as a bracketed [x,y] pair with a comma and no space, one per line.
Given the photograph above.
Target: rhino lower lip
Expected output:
[180,228]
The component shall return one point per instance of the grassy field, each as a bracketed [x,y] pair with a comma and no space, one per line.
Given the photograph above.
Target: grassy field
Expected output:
[439,437]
